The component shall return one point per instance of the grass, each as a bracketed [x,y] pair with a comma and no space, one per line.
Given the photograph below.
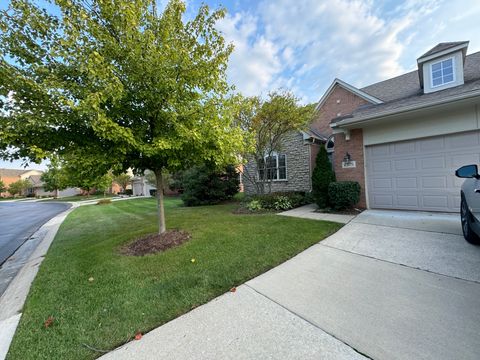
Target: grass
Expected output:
[76,198]
[130,294]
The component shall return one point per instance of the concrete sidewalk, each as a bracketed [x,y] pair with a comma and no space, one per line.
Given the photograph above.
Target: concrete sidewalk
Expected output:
[310,212]
[240,325]
[386,285]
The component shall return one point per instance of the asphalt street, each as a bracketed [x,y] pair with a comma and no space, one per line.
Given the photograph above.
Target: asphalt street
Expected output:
[18,221]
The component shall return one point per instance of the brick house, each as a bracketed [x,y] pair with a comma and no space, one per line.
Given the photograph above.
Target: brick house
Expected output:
[401,138]
[9,176]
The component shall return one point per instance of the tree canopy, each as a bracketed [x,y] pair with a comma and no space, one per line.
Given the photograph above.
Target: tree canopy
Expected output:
[3,188]
[115,85]
[266,123]
[18,187]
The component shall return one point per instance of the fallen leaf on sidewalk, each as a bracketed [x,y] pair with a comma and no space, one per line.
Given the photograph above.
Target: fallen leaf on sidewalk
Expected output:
[233,289]
[138,336]
[48,322]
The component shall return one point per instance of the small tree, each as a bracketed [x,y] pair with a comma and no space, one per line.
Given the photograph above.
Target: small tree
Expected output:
[3,188]
[19,187]
[322,176]
[104,183]
[123,180]
[117,80]
[266,125]
[54,179]
[205,185]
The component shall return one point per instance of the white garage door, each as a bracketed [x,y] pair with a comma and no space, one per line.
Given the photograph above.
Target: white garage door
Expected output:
[419,174]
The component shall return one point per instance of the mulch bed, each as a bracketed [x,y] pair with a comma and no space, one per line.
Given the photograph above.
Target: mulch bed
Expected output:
[154,243]
[341,212]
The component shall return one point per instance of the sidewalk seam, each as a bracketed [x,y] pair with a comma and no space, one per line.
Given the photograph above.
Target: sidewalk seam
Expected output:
[308,321]
[403,265]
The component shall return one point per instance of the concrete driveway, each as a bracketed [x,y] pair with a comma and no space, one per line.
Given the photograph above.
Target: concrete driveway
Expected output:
[388,285]
[18,221]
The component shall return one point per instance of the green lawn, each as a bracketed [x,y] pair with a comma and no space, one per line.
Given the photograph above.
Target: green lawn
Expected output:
[81,198]
[132,294]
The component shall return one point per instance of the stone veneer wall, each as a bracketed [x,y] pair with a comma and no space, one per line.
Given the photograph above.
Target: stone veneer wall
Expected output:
[298,167]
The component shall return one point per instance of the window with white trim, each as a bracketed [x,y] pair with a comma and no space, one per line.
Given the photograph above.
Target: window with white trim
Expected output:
[273,167]
[442,72]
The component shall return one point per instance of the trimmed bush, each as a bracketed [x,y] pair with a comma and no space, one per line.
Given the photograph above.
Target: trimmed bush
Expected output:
[343,194]
[322,176]
[254,205]
[203,185]
[282,200]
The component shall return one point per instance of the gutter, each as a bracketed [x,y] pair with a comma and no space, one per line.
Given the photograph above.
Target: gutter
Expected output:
[376,116]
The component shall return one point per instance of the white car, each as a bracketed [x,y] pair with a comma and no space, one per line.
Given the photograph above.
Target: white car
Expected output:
[470,203]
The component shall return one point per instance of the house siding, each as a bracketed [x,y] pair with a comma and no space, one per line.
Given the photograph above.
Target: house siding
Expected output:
[298,167]
[354,147]
[340,102]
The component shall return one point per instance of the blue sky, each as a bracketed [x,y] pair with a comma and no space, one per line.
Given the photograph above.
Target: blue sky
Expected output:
[303,45]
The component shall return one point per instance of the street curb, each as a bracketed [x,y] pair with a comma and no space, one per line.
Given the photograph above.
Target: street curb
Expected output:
[13,299]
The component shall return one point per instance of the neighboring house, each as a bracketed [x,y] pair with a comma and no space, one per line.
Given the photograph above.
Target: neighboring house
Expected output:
[140,186]
[9,176]
[37,188]
[403,138]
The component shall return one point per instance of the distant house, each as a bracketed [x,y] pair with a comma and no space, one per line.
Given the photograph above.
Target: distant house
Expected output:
[37,188]
[9,176]
[401,138]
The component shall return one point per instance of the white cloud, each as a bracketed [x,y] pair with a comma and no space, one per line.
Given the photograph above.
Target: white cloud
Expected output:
[255,62]
[304,45]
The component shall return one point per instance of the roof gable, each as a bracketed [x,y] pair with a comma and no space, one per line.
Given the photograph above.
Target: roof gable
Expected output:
[350,88]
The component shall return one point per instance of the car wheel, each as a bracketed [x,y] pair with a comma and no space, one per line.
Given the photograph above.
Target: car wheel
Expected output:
[466,218]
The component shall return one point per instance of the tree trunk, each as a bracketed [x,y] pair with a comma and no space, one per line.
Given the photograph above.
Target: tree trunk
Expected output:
[56,194]
[160,208]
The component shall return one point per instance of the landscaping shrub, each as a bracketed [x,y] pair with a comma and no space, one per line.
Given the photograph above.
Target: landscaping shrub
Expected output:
[322,176]
[254,205]
[282,203]
[282,200]
[343,194]
[203,185]
[104,202]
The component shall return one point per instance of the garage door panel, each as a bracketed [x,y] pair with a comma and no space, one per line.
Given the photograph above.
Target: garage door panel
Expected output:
[419,174]
[404,148]
[383,184]
[407,200]
[405,164]
[381,150]
[435,201]
[383,200]
[433,163]
[379,166]
[463,140]
[432,144]
[457,160]
[406,183]
[434,182]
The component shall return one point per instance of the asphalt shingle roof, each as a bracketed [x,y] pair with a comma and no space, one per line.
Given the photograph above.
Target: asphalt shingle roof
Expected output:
[36,180]
[11,172]
[443,46]
[404,90]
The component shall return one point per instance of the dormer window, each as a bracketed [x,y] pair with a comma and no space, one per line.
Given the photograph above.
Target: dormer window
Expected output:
[442,66]
[442,72]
